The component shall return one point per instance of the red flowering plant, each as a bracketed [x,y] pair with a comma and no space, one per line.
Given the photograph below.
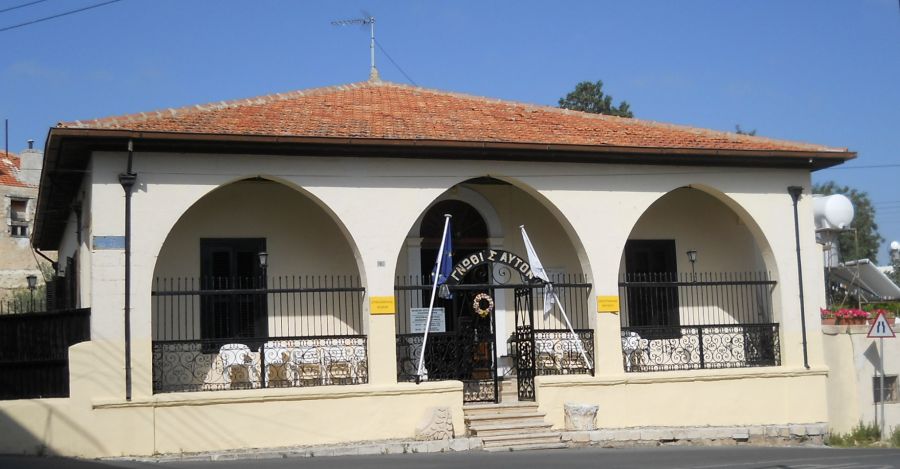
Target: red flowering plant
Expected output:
[844,313]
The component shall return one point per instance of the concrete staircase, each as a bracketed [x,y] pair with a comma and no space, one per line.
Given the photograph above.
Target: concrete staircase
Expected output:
[511,426]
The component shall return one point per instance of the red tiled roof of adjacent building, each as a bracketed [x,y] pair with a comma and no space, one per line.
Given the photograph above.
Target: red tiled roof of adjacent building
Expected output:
[9,167]
[383,110]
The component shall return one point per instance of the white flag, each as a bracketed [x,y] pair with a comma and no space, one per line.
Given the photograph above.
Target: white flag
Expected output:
[539,272]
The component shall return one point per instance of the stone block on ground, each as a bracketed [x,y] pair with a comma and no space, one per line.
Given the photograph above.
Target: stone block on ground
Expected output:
[581,417]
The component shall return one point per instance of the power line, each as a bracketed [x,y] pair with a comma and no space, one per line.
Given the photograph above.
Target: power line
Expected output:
[395,63]
[70,12]
[21,6]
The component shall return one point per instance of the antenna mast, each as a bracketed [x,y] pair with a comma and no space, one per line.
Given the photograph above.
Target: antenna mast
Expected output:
[368,20]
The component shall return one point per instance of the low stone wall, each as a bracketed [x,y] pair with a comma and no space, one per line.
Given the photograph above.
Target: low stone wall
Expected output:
[776,435]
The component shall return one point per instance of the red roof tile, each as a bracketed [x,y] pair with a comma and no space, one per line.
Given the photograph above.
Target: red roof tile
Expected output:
[382,110]
[9,169]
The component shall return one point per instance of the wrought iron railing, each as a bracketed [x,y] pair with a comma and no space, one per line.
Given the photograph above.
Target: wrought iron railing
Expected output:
[186,365]
[670,299]
[247,333]
[697,320]
[34,352]
[187,308]
[572,290]
[24,303]
[557,352]
[700,347]
[449,356]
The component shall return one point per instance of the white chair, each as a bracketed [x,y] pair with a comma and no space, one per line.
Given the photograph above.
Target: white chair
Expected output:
[337,365]
[307,365]
[278,360]
[236,357]
[631,344]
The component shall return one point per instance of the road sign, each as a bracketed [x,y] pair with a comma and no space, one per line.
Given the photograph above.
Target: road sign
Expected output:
[881,329]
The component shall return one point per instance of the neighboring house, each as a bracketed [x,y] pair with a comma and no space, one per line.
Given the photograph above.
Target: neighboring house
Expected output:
[19,177]
[280,248]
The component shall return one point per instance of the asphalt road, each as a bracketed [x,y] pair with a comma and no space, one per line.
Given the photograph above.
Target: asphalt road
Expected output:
[644,458]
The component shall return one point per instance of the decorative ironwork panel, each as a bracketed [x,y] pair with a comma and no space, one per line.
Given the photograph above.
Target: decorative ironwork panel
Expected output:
[557,352]
[525,353]
[443,357]
[700,347]
[525,363]
[183,366]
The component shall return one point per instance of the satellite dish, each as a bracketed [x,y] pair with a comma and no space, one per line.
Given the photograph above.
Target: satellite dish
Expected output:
[832,212]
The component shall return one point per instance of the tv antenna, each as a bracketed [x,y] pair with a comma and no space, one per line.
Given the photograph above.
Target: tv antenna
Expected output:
[370,21]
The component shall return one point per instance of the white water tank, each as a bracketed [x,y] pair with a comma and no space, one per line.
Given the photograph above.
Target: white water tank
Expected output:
[832,212]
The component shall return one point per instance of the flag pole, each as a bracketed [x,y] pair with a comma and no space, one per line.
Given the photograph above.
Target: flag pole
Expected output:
[436,275]
[538,269]
[572,331]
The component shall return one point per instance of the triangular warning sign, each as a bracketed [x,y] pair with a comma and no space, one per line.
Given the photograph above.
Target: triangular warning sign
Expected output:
[881,328]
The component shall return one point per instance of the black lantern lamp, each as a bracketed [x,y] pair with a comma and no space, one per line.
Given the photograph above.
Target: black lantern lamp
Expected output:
[692,256]
[263,260]
[32,284]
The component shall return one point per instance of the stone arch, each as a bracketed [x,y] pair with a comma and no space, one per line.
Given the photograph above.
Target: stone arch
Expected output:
[728,243]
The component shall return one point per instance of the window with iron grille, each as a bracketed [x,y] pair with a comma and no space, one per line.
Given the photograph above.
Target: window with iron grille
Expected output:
[890,391]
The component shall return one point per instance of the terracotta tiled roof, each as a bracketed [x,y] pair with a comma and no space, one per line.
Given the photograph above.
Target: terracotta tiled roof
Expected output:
[9,168]
[382,110]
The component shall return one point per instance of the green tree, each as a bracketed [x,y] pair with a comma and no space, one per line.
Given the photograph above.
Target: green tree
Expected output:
[863,221]
[738,130]
[589,97]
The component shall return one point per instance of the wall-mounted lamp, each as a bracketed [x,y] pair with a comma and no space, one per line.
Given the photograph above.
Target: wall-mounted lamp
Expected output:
[692,256]
[263,260]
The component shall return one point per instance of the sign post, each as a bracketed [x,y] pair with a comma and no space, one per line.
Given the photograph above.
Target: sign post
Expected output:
[880,330]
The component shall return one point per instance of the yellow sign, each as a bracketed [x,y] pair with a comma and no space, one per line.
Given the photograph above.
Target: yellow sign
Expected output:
[381,305]
[607,304]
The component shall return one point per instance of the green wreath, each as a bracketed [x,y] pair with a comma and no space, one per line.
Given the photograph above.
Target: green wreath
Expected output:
[483,304]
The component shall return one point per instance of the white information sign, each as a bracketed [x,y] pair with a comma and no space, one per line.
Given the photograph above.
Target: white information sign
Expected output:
[418,317]
[881,328]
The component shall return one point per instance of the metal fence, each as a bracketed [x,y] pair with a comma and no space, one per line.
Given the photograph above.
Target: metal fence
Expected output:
[450,355]
[245,333]
[188,365]
[694,321]
[34,347]
[572,290]
[23,304]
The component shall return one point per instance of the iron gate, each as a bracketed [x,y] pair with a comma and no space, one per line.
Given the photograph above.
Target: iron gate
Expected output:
[525,366]
[466,349]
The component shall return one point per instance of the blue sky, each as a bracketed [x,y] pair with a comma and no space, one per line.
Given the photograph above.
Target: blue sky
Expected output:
[808,70]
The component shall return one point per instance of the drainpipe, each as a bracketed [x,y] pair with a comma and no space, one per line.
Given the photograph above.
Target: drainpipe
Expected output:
[127,180]
[795,192]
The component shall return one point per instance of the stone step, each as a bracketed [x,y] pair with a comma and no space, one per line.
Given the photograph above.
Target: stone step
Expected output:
[523,441]
[484,417]
[478,409]
[510,439]
[526,447]
[525,425]
[492,430]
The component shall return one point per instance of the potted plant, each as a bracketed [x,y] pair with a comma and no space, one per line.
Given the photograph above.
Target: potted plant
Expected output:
[848,316]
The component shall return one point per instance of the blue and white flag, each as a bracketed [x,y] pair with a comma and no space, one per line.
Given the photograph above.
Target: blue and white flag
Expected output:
[446,264]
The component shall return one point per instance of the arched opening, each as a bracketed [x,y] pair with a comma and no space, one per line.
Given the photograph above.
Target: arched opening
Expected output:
[492,297]
[256,286]
[695,289]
